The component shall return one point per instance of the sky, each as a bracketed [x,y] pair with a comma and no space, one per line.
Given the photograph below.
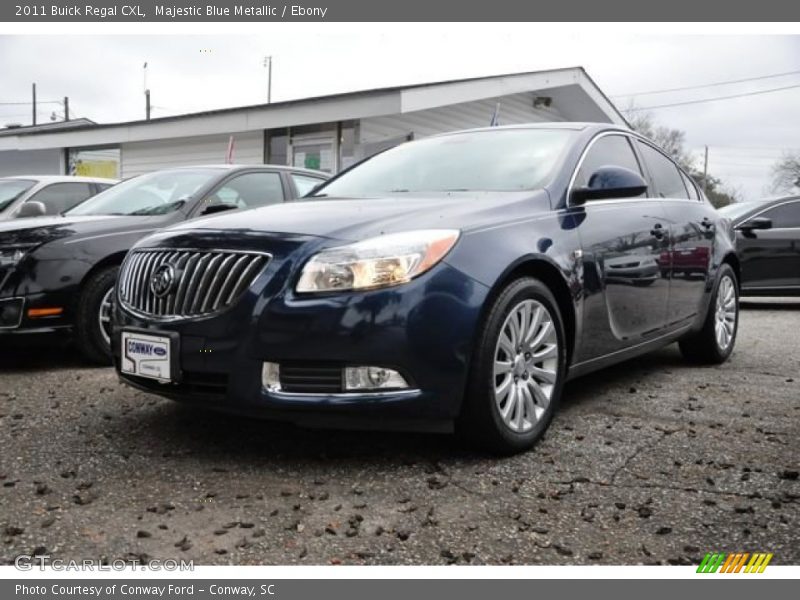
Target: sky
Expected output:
[104,77]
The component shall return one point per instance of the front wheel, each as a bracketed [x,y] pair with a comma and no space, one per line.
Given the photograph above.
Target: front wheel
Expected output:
[93,319]
[518,370]
[713,344]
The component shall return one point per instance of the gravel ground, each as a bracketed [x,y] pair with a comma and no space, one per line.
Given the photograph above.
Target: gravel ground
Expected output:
[649,462]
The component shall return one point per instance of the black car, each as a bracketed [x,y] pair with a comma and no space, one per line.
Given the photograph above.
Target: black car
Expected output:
[768,244]
[456,281]
[57,273]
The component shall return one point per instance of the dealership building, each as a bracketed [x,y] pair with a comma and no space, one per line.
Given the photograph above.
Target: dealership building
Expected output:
[327,132]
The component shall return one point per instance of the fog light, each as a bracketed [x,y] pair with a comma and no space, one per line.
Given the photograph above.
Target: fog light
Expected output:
[271,376]
[372,378]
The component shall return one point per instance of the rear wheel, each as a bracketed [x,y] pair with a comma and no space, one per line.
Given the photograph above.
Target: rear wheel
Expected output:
[93,321]
[518,370]
[714,343]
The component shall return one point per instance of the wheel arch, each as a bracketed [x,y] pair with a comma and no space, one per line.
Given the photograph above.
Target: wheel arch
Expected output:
[732,259]
[546,271]
[112,260]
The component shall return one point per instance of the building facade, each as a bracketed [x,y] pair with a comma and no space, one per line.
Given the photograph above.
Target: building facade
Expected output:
[327,133]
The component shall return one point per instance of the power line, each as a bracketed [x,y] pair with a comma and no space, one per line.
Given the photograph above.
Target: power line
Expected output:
[716,99]
[707,85]
[29,102]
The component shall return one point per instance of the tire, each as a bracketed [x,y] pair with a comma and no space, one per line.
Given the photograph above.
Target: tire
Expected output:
[489,393]
[709,346]
[89,334]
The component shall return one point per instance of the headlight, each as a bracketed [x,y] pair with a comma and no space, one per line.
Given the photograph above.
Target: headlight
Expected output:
[11,255]
[377,262]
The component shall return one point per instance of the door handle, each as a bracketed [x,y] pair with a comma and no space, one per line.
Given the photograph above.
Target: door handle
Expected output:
[657,231]
[707,223]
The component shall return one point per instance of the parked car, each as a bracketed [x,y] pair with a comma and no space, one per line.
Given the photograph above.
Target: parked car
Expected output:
[454,282]
[57,273]
[41,195]
[768,243]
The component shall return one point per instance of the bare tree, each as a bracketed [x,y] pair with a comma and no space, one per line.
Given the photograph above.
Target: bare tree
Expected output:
[670,140]
[786,173]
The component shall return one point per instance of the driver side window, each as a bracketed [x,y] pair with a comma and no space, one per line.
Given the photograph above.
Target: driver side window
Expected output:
[607,151]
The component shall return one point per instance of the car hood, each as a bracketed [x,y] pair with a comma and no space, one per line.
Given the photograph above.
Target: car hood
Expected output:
[356,219]
[41,230]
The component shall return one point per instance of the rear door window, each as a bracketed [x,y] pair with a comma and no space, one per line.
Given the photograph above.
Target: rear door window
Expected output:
[667,179]
[690,187]
[304,184]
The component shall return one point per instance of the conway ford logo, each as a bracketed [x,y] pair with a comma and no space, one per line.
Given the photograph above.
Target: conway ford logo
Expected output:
[163,280]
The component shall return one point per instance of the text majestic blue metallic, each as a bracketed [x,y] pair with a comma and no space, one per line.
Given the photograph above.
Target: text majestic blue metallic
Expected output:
[452,282]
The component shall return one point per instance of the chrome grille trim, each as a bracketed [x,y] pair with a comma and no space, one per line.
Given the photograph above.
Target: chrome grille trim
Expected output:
[206,281]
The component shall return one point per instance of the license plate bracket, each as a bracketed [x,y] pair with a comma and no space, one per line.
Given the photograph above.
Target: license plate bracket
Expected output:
[150,354]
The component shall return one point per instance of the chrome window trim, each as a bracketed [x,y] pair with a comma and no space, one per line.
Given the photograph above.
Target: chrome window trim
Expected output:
[630,136]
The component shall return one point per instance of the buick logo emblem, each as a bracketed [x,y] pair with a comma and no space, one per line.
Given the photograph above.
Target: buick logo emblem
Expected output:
[162,280]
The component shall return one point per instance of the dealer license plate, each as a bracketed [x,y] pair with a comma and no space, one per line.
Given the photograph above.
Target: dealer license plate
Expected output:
[146,355]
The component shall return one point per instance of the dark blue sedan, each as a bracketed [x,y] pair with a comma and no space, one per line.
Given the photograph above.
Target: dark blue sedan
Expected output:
[452,283]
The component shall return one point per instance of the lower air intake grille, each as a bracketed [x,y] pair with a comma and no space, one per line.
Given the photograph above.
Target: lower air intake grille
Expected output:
[172,283]
[311,378]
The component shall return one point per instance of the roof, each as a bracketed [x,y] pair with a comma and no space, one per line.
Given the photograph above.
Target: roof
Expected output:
[26,129]
[231,167]
[575,94]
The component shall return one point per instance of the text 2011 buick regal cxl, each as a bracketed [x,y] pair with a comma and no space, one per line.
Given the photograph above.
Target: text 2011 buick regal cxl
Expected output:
[452,282]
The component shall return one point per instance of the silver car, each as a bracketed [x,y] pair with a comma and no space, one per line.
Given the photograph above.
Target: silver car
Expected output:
[46,195]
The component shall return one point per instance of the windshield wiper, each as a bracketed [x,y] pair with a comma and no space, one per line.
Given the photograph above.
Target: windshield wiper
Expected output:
[159,210]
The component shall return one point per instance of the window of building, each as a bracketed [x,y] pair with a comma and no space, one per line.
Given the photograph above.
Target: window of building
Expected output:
[94,162]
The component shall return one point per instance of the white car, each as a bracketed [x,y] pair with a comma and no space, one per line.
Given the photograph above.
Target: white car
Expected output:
[46,195]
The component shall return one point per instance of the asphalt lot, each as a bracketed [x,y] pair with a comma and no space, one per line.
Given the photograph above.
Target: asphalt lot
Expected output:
[650,462]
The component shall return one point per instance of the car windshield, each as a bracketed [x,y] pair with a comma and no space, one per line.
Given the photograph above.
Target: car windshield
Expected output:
[11,189]
[737,209]
[152,194]
[490,160]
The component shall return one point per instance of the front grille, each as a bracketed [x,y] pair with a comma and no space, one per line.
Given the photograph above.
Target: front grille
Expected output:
[193,282]
[311,378]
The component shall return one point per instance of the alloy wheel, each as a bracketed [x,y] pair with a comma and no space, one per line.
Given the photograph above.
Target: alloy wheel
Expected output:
[525,365]
[104,316]
[726,312]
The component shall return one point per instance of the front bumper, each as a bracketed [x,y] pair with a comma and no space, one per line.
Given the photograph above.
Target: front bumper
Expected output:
[424,329]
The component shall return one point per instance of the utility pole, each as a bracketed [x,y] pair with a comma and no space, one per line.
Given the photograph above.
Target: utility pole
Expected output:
[34,104]
[268,64]
[146,93]
[66,108]
[705,173]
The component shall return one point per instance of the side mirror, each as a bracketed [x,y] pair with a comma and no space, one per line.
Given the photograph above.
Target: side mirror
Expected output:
[32,208]
[213,209]
[757,223]
[610,182]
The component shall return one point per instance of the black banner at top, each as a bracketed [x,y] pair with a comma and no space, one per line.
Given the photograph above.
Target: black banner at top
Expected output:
[393,10]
